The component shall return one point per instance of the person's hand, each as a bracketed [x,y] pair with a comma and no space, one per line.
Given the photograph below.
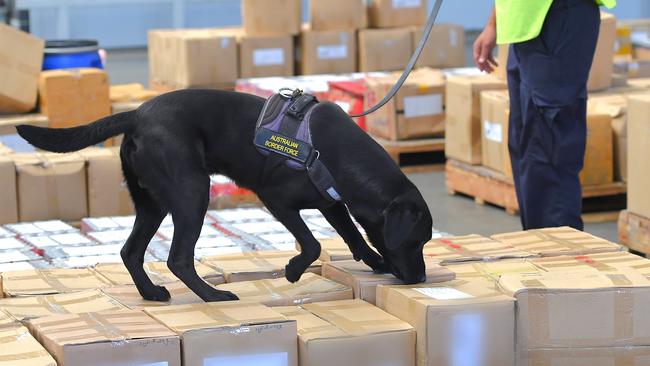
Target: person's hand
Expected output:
[483,48]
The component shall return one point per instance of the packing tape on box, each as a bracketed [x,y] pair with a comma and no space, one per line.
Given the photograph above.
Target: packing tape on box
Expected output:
[352,327]
[24,356]
[538,308]
[53,281]
[96,322]
[559,244]
[52,305]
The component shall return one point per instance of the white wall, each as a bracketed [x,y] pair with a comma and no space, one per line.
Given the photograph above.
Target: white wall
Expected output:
[124,23]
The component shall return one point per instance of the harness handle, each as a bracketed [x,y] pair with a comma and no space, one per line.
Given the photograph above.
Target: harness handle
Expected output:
[409,67]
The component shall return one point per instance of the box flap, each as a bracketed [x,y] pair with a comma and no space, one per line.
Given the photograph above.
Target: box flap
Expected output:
[492,270]
[310,327]
[230,314]
[602,262]
[19,348]
[362,273]
[128,295]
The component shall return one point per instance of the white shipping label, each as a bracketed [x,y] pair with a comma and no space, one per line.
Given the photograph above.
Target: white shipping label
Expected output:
[225,42]
[344,105]
[423,105]
[268,359]
[467,340]
[493,131]
[402,4]
[443,293]
[332,52]
[268,57]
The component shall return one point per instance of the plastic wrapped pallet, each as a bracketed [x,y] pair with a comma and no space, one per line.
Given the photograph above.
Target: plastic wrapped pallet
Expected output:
[24,308]
[350,332]
[557,241]
[231,333]
[364,281]
[254,265]
[470,248]
[50,281]
[127,337]
[280,292]
[158,272]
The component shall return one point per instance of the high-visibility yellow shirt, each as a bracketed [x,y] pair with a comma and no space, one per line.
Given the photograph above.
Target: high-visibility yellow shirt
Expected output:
[522,20]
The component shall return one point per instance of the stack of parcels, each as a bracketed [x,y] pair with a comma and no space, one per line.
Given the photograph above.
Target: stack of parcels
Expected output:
[460,322]
[491,271]
[158,272]
[445,47]
[471,248]
[638,197]
[586,317]
[279,292]
[400,13]
[127,337]
[50,281]
[417,110]
[192,58]
[364,281]
[31,307]
[350,332]
[600,262]
[231,333]
[384,49]
[557,241]
[255,265]
[15,254]
[328,51]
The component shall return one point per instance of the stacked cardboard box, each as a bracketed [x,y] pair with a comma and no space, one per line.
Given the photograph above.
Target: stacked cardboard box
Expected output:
[600,262]
[384,49]
[22,56]
[332,15]
[350,332]
[397,13]
[254,266]
[461,322]
[445,47]
[471,248]
[364,281]
[50,281]
[129,296]
[638,196]
[328,51]
[495,110]
[417,111]
[158,273]
[126,337]
[231,333]
[561,313]
[74,97]
[266,55]
[19,348]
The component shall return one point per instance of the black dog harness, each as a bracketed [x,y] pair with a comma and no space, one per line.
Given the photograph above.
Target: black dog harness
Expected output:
[283,135]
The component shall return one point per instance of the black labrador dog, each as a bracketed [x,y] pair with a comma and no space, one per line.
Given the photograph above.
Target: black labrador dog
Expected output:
[173,143]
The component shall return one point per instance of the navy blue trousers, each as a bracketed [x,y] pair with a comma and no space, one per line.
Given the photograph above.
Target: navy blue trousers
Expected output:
[547,78]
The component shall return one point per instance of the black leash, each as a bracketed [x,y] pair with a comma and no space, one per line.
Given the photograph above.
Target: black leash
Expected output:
[409,67]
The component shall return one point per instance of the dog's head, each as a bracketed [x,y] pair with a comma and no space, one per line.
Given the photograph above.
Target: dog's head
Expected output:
[407,227]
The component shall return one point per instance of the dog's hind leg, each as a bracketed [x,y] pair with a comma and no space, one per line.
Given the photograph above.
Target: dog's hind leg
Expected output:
[338,216]
[310,247]
[149,215]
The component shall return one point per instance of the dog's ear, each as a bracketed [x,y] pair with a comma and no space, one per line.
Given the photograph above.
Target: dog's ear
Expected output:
[400,218]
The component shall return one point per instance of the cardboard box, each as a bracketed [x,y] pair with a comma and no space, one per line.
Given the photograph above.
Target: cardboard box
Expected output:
[552,242]
[279,292]
[328,52]
[24,308]
[638,195]
[74,97]
[127,337]
[129,296]
[384,49]
[265,56]
[364,281]
[457,322]
[231,333]
[445,47]
[602,68]
[51,186]
[417,111]
[254,265]
[610,356]
[616,107]
[599,155]
[492,271]
[8,194]
[579,309]
[350,332]
[263,17]
[107,191]
[50,281]
[158,272]
[8,123]
[470,248]
[193,58]
[336,15]
[601,262]
[501,71]
[8,321]
[130,93]
[397,13]
[19,348]
[495,107]
[22,56]
[463,123]
[333,249]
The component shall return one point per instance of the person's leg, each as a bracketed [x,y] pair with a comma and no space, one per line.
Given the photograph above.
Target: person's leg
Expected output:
[515,126]
[554,69]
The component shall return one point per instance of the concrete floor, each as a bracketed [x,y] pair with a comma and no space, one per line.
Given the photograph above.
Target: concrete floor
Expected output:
[452,214]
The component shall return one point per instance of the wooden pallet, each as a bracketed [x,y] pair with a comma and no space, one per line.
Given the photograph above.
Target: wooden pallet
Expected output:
[416,156]
[488,186]
[634,232]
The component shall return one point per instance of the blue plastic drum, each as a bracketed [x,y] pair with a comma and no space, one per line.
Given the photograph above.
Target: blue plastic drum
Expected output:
[71,54]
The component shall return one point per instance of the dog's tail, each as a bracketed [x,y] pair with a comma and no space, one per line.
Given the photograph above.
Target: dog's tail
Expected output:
[62,140]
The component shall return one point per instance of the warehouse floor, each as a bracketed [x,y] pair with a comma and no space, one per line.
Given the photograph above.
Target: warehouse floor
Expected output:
[456,215]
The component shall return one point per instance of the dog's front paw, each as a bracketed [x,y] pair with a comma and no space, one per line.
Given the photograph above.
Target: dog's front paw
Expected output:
[293,271]
[221,296]
[376,262]
[156,293]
